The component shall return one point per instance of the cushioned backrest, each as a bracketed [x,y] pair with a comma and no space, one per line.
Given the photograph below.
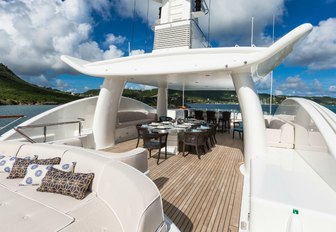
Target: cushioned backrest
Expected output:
[43,151]
[287,133]
[9,148]
[133,197]
[276,124]
[125,116]
[86,162]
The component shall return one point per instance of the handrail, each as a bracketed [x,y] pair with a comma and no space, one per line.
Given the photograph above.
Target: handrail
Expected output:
[44,126]
[12,116]
[17,117]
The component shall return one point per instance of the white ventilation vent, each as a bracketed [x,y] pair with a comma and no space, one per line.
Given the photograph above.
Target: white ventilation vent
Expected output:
[172,37]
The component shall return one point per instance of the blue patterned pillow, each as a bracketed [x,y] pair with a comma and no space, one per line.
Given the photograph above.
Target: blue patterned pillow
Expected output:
[36,172]
[6,163]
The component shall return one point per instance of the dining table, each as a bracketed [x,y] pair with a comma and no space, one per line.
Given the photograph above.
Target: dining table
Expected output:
[175,131]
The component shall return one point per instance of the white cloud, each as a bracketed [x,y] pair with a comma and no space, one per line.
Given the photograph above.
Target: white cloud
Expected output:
[112,39]
[35,33]
[61,84]
[318,50]
[39,80]
[125,8]
[130,85]
[332,88]
[264,83]
[295,85]
[137,52]
[278,92]
[230,20]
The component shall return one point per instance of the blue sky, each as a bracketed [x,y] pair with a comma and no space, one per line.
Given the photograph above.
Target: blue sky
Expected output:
[35,33]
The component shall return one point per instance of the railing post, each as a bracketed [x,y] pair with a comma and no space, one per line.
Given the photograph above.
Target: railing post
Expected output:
[80,128]
[45,133]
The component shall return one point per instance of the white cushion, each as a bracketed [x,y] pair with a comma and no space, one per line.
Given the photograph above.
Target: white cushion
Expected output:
[59,202]
[21,214]
[6,163]
[94,216]
[35,173]
[11,184]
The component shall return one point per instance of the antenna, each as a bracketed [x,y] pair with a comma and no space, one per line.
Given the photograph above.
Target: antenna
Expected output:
[129,49]
[133,23]
[271,90]
[252,22]
[209,24]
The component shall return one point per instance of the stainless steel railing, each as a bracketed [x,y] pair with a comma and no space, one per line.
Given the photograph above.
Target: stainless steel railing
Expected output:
[15,117]
[45,126]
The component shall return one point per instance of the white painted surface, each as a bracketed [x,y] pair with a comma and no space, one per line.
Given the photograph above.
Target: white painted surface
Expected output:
[105,118]
[206,68]
[254,125]
[162,101]
[283,181]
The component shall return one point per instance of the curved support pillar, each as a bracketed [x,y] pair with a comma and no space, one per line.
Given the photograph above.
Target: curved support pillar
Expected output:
[253,118]
[162,101]
[105,118]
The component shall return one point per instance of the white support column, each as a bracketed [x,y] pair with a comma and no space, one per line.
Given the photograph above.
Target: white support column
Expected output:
[253,119]
[105,118]
[162,101]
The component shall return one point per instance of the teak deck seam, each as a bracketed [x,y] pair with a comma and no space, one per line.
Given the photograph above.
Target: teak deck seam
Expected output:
[199,195]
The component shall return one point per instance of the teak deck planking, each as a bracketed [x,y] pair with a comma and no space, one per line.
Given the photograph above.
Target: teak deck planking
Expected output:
[199,195]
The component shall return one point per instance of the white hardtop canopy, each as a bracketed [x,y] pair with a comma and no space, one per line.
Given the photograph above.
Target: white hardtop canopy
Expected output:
[193,69]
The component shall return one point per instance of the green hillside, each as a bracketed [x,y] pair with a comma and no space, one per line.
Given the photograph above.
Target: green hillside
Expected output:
[203,97]
[14,90]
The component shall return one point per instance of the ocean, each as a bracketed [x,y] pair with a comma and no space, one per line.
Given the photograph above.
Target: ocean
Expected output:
[28,110]
[31,110]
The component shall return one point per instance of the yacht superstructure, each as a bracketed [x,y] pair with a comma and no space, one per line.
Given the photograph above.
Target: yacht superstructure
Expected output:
[278,156]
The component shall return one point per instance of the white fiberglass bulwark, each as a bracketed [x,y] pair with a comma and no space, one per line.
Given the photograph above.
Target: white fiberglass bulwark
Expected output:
[301,179]
[315,135]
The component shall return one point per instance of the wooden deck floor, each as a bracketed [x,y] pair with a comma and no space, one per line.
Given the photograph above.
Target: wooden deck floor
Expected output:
[200,195]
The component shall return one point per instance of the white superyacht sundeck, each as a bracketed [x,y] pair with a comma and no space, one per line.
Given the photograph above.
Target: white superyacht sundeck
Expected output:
[289,165]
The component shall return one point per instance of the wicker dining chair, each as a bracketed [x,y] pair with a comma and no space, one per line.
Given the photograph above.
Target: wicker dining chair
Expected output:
[154,141]
[225,121]
[211,116]
[195,139]
[199,114]
[141,130]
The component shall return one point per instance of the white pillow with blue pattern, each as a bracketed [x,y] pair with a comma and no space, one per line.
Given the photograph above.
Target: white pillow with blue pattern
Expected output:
[36,172]
[6,163]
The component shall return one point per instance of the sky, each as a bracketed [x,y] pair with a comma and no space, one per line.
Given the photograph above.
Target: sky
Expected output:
[35,33]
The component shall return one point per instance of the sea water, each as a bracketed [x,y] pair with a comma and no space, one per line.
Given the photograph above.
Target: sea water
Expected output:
[32,110]
[236,108]
[229,107]
[28,111]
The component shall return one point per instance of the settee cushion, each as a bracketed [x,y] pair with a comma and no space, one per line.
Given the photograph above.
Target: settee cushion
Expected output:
[6,163]
[19,213]
[66,183]
[11,184]
[20,168]
[94,216]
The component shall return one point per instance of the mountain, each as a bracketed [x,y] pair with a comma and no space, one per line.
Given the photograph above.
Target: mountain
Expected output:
[203,97]
[14,90]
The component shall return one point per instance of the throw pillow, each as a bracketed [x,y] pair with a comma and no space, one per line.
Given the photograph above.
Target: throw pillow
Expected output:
[19,168]
[6,163]
[35,172]
[66,167]
[56,160]
[66,183]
